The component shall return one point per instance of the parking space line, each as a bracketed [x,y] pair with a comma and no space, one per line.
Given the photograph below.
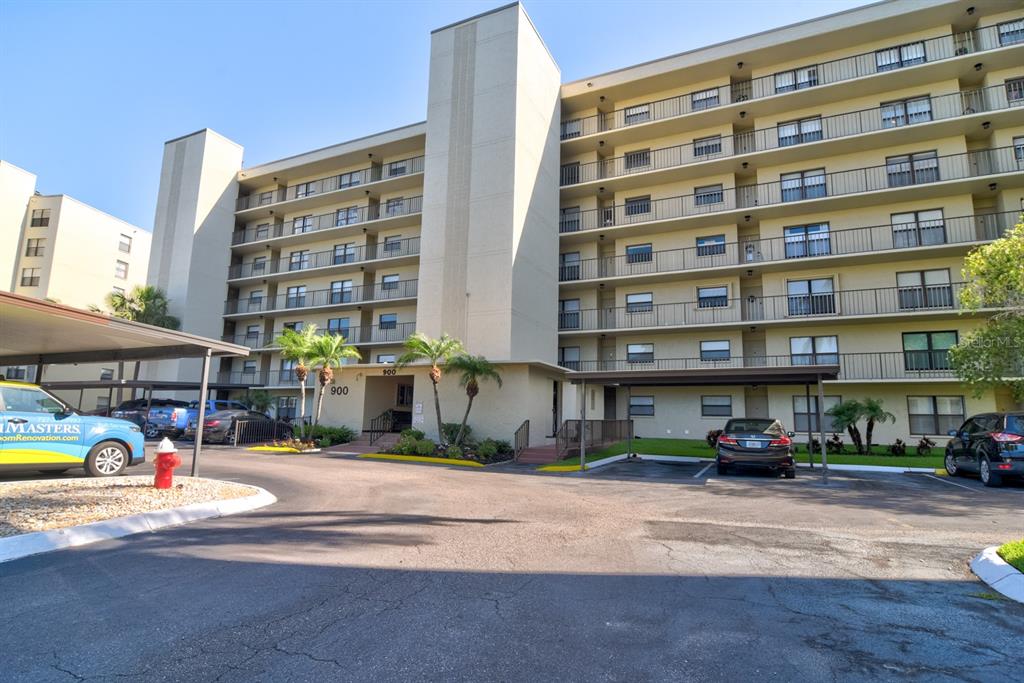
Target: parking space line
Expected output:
[706,468]
[947,481]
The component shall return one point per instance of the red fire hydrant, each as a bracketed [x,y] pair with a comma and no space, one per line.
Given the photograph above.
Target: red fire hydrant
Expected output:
[166,460]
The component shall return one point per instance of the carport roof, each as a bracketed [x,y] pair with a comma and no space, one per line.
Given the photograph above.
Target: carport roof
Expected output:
[33,331]
[774,375]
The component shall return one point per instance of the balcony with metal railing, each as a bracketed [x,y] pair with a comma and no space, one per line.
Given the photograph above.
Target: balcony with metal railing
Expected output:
[787,135]
[333,183]
[298,298]
[803,308]
[794,248]
[302,227]
[902,172]
[811,75]
[335,259]
[357,335]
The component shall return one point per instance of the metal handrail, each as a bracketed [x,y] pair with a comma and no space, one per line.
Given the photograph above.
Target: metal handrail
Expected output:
[380,425]
[332,183]
[845,68]
[377,291]
[341,218]
[294,262]
[520,440]
[356,334]
[887,176]
[599,434]
[942,107]
[955,230]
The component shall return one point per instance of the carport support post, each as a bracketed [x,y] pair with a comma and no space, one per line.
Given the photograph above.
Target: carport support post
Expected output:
[583,428]
[821,429]
[629,419]
[810,430]
[201,418]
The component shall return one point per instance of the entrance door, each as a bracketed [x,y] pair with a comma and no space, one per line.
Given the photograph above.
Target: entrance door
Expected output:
[555,407]
[609,403]
[756,401]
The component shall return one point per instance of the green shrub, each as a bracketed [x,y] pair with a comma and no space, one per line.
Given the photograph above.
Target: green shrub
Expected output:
[504,447]
[451,430]
[329,436]
[487,449]
[454,452]
[425,447]
[411,433]
[406,445]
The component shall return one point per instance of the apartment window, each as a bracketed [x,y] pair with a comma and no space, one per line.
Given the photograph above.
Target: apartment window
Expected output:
[296,296]
[904,112]
[393,245]
[252,333]
[249,367]
[30,277]
[704,99]
[287,367]
[338,326]
[350,179]
[35,247]
[569,314]
[255,299]
[103,403]
[298,260]
[639,353]
[811,297]
[341,291]
[305,189]
[928,350]
[716,406]
[259,265]
[106,373]
[394,206]
[125,244]
[796,79]
[800,131]
[263,231]
[805,413]
[641,406]
[118,290]
[16,372]
[571,173]
[803,185]
[287,407]
[899,57]
[266,197]
[1018,149]
[814,350]
[121,270]
[293,326]
[935,414]
[715,350]
[344,253]
[636,206]
[569,266]
[1015,91]
[569,219]
[712,245]
[807,240]
[912,169]
[389,282]
[1011,32]
[302,224]
[346,216]
[642,302]
[387,321]
[40,218]
[637,114]
[918,228]
[572,129]
[705,147]
[924,289]
[404,396]
[387,358]
[641,158]
[569,357]
[712,297]
[639,253]
[708,194]
[397,168]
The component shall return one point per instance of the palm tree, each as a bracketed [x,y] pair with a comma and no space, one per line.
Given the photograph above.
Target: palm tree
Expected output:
[328,351]
[846,415]
[437,352]
[874,412]
[297,347]
[473,369]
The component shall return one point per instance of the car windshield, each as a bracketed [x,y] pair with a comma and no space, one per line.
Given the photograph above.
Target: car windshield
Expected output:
[1015,424]
[749,425]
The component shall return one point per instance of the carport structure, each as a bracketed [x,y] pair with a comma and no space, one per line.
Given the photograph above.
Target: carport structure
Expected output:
[696,372]
[40,333]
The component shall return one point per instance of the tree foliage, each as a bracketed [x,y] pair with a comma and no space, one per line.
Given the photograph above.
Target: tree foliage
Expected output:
[472,370]
[143,304]
[298,348]
[436,352]
[327,352]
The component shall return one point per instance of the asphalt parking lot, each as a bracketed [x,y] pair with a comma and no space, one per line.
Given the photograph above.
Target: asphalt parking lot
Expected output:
[369,570]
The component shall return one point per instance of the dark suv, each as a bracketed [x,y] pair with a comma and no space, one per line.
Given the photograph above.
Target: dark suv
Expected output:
[991,444]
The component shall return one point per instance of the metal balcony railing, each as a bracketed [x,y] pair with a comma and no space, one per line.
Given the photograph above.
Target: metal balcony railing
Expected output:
[299,261]
[808,76]
[341,181]
[355,335]
[841,303]
[892,115]
[298,299]
[958,230]
[336,219]
[907,171]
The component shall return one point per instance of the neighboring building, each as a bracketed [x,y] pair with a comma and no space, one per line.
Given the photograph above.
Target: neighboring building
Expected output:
[58,248]
[797,199]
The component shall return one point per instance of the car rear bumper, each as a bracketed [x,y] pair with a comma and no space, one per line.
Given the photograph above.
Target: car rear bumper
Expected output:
[776,461]
[1009,466]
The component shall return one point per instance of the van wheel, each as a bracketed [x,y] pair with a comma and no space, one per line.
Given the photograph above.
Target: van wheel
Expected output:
[790,474]
[106,459]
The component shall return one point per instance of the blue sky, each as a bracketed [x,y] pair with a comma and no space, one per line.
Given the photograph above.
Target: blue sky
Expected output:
[89,91]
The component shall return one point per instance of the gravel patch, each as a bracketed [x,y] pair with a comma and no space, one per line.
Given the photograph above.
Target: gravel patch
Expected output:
[44,505]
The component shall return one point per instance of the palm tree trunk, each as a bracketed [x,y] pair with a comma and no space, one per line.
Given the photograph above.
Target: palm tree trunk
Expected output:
[465,419]
[302,409]
[437,409]
[870,429]
[319,404]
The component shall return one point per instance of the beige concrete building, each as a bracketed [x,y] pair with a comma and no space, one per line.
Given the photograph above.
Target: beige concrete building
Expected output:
[685,235]
[57,248]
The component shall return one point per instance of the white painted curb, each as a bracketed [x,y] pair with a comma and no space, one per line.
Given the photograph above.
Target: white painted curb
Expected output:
[998,574]
[817,466]
[23,545]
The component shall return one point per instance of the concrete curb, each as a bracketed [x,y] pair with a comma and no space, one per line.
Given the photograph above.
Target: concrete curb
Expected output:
[23,545]
[998,574]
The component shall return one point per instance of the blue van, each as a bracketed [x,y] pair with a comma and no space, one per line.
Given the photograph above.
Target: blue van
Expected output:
[40,432]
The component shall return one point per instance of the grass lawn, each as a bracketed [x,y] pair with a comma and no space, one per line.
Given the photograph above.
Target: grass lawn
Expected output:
[1013,553]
